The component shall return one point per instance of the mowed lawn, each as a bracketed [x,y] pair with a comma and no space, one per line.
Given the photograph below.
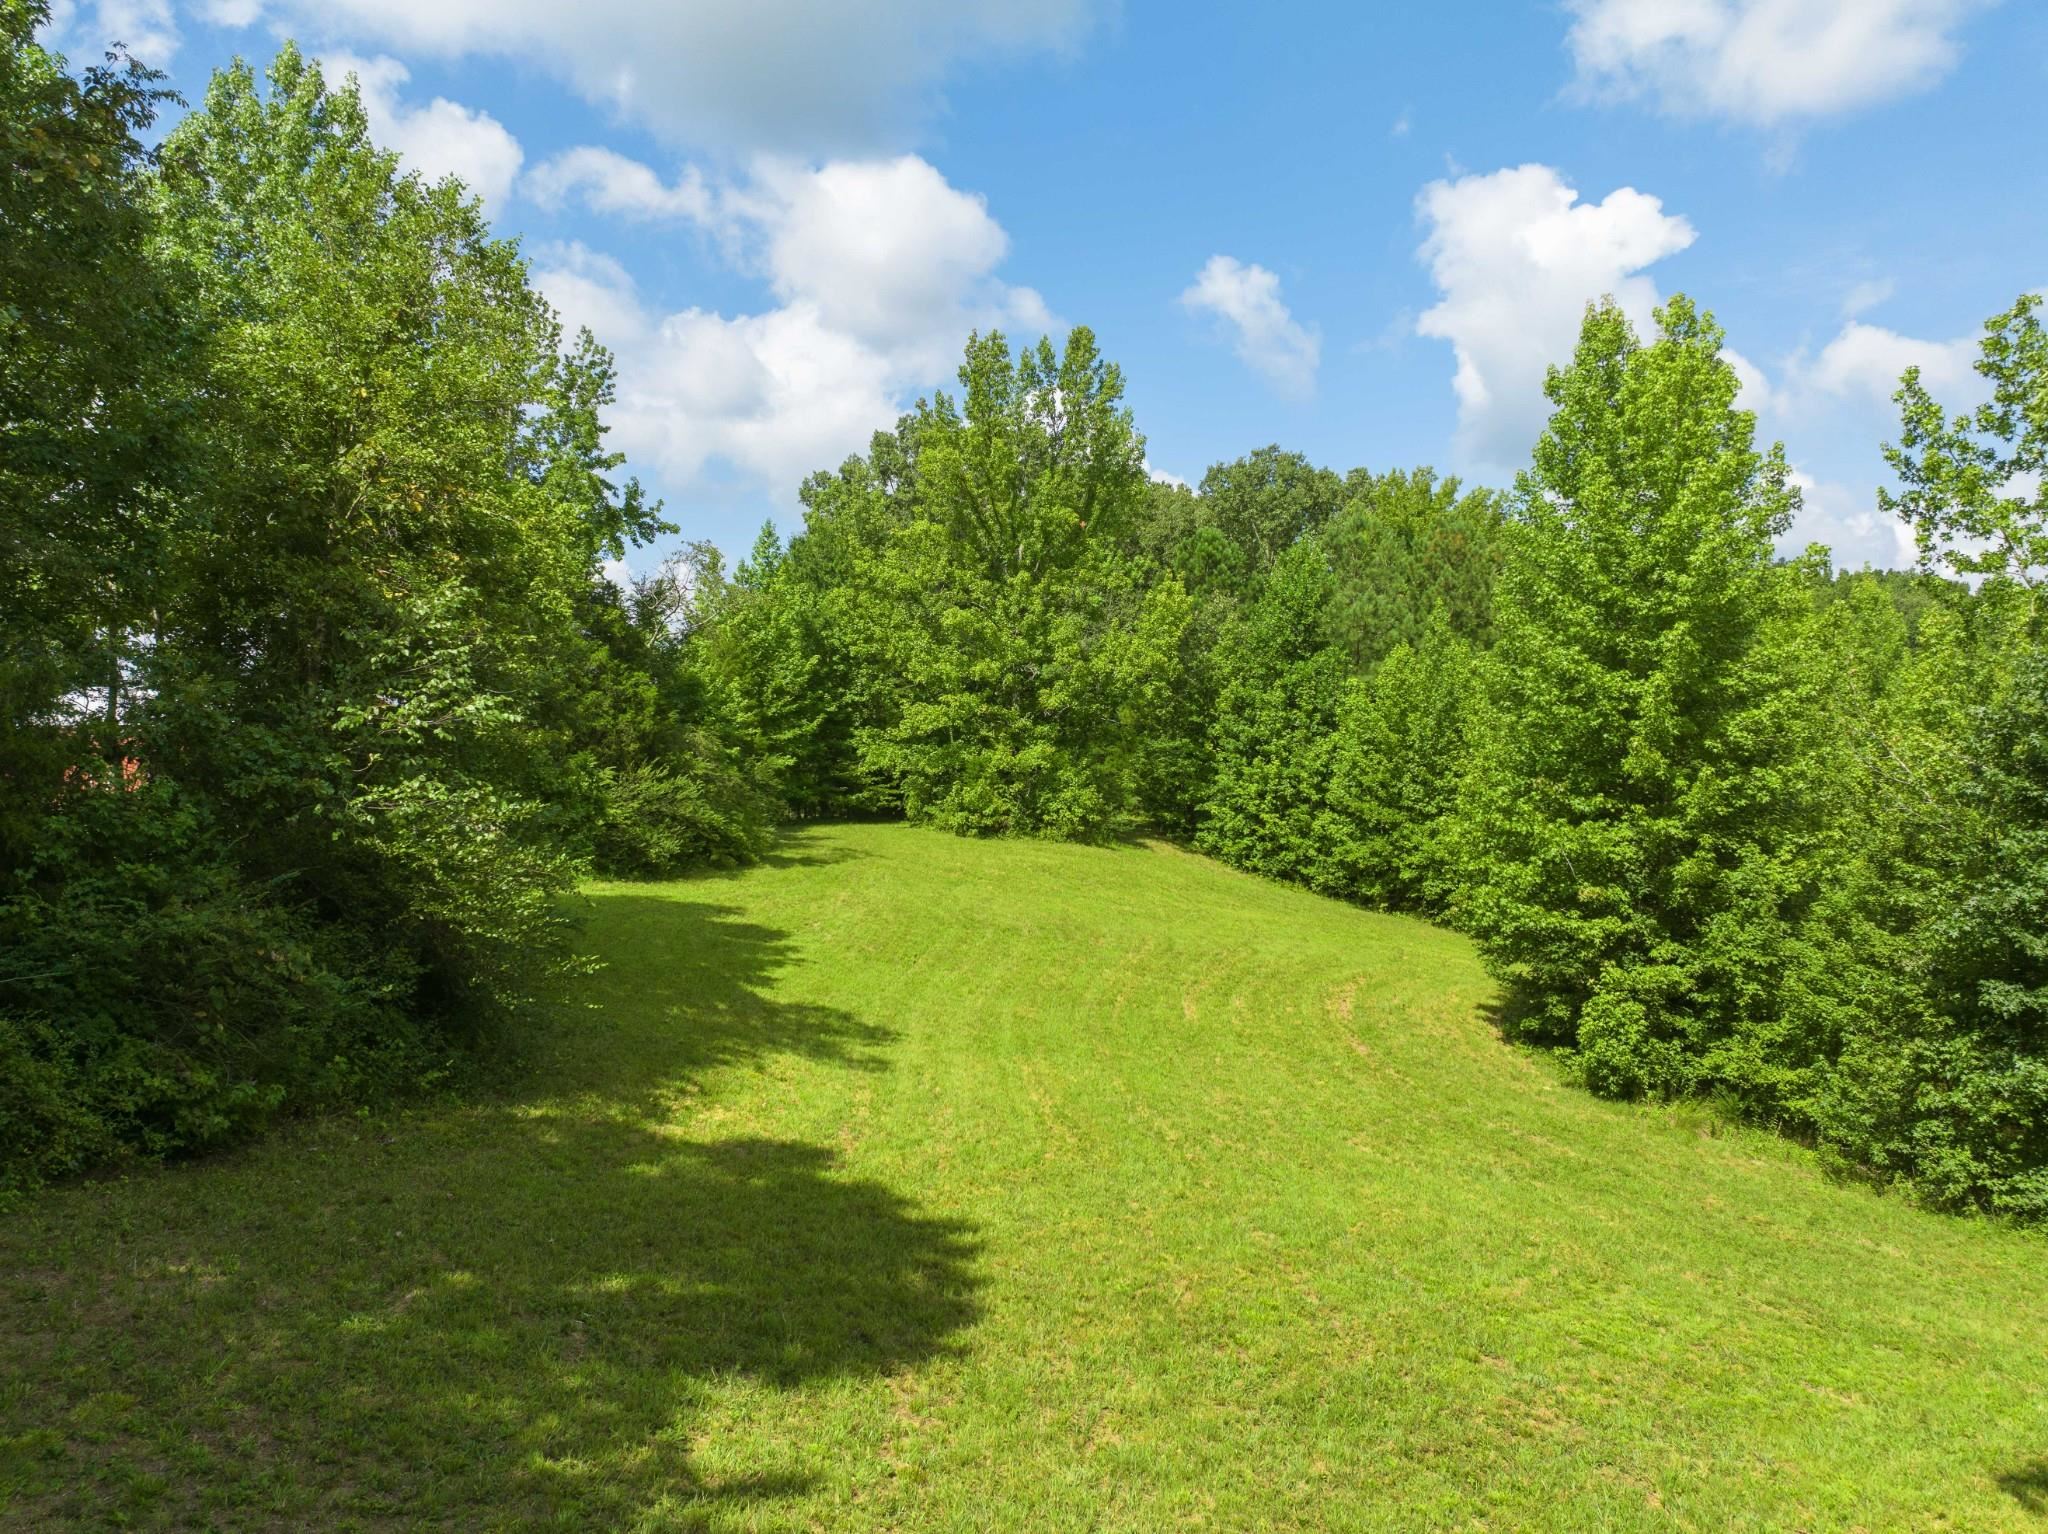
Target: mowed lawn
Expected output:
[919,1183]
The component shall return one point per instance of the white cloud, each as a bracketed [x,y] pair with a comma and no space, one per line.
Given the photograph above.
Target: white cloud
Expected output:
[592,292]
[1266,337]
[775,395]
[1865,296]
[607,182]
[1849,523]
[1765,62]
[809,76]
[1161,477]
[889,253]
[885,250]
[439,139]
[1754,391]
[1865,362]
[880,269]
[146,28]
[1517,257]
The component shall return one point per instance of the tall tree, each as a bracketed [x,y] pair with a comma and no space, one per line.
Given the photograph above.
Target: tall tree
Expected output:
[1976,482]
[91,342]
[1275,713]
[1932,985]
[1034,665]
[1637,823]
[1261,505]
[1397,758]
[378,571]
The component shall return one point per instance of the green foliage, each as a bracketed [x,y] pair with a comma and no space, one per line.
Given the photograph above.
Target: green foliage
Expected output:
[683,814]
[1274,719]
[1396,762]
[364,603]
[1637,829]
[1339,730]
[90,336]
[1931,1047]
[1252,511]
[311,692]
[1976,483]
[773,653]
[151,1000]
[1981,1130]
[973,573]
[1406,546]
[1932,1059]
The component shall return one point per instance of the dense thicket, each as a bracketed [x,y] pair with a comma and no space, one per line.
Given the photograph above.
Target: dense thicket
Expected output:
[318,701]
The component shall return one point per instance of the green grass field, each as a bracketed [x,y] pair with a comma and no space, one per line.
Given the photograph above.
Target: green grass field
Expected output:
[919,1183]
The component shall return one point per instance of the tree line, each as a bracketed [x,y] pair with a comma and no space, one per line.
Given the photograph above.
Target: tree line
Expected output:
[1725,825]
[319,701]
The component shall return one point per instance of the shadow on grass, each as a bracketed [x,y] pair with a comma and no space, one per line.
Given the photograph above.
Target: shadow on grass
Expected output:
[806,847]
[2028,1486]
[501,1314]
[1512,1016]
[687,987]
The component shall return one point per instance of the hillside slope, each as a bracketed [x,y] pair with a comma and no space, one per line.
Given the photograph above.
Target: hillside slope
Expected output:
[911,1182]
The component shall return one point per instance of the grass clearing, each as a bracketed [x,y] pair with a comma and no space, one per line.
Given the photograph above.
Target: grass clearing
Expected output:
[918,1183]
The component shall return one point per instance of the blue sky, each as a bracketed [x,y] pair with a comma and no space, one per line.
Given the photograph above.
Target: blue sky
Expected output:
[1358,231]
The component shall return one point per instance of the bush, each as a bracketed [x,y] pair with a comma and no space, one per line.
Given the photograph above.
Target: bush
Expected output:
[659,822]
[152,1002]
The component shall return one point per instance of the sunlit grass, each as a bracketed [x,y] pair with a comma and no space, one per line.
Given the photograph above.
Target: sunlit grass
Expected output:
[912,1182]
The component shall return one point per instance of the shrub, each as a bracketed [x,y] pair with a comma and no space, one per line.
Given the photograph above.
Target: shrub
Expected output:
[659,821]
[152,1002]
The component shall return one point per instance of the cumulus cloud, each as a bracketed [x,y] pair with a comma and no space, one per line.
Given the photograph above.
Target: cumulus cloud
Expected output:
[1764,62]
[592,292]
[880,269]
[888,253]
[608,182]
[439,139]
[1517,257]
[1865,362]
[1754,391]
[885,250]
[808,76]
[775,395]
[1246,298]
